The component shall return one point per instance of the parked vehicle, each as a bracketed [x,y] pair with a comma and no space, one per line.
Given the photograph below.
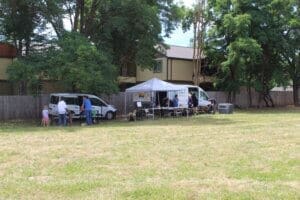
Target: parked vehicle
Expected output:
[203,99]
[74,102]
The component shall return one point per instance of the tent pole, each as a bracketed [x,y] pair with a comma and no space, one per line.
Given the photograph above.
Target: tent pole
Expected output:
[152,105]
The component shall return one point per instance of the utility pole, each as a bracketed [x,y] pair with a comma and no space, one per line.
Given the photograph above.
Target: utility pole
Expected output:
[199,25]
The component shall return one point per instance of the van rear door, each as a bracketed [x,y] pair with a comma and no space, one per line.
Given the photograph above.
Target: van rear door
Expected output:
[53,105]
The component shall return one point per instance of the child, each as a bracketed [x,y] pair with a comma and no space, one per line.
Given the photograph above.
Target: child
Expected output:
[45,114]
[70,117]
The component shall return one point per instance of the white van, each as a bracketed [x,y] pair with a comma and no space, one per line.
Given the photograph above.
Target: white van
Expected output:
[202,96]
[74,102]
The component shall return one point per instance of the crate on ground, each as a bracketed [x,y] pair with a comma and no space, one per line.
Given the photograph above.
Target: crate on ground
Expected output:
[225,108]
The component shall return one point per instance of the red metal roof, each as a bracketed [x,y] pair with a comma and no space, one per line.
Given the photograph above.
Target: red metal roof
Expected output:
[7,51]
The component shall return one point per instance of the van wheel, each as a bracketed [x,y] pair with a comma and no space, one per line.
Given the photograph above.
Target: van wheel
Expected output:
[109,115]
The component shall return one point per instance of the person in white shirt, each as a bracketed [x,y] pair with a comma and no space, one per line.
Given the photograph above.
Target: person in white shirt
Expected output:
[45,114]
[62,111]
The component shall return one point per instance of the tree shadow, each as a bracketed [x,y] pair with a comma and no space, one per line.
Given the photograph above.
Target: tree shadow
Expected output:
[270,110]
[30,126]
[203,120]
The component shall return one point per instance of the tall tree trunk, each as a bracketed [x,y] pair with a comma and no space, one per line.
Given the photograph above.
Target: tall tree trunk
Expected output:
[20,48]
[249,96]
[82,16]
[90,17]
[259,100]
[296,89]
[229,99]
[76,17]
[233,98]
[27,46]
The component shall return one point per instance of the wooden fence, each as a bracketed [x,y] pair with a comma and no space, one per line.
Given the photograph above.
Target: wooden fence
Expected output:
[280,98]
[22,107]
[28,107]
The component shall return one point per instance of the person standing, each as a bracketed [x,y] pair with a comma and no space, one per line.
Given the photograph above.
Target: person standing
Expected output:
[62,111]
[45,114]
[87,107]
[175,101]
[194,100]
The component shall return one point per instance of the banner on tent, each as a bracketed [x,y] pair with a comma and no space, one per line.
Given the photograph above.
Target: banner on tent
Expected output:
[142,96]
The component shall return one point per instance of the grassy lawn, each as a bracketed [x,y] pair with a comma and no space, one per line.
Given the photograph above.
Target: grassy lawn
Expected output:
[248,155]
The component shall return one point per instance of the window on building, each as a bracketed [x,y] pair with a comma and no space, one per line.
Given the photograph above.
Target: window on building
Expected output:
[157,68]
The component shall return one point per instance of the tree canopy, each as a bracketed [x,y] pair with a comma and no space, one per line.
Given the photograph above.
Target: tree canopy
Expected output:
[246,41]
[126,30]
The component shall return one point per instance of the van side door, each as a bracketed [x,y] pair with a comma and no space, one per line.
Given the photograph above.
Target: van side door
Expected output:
[72,104]
[99,107]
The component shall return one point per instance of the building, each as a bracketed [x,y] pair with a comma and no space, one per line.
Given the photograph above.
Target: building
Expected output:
[7,55]
[174,64]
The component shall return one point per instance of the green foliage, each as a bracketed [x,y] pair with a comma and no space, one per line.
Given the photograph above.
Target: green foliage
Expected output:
[27,72]
[82,67]
[131,29]
[246,41]
[126,30]
[74,61]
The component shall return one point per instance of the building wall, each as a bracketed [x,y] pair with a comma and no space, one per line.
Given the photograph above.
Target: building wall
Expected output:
[4,62]
[180,70]
[6,88]
[146,74]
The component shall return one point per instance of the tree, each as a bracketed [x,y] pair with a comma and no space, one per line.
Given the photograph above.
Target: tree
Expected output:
[196,17]
[245,40]
[230,45]
[20,19]
[73,61]
[107,26]
[81,66]
[291,45]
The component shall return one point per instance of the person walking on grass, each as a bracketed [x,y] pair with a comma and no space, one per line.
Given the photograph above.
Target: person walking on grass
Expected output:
[62,111]
[87,107]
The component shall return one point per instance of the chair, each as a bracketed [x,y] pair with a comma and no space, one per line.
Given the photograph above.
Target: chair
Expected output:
[148,114]
[177,112]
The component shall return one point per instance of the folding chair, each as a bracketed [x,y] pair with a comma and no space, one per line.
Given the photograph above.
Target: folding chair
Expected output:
[148,114]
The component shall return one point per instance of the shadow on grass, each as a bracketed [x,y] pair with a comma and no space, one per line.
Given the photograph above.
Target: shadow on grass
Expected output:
[25,126]
[276,110]
[202,120]
[34,126]
[198,120]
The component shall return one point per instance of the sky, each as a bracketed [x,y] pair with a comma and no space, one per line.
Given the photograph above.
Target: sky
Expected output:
[178,37]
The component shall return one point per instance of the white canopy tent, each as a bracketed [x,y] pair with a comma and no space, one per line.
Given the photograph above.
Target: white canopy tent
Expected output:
[153,85]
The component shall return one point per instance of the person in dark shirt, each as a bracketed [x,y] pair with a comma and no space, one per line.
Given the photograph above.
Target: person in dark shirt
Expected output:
[175,101]
[194,100]
[190,101]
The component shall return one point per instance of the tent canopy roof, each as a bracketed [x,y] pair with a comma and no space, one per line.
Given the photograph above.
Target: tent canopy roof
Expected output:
[154,85]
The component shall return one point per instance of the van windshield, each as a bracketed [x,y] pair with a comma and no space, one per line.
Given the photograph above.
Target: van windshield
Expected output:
[203,96]
[97,102]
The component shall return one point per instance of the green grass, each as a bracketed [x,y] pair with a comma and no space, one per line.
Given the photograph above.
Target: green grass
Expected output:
[252,154]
